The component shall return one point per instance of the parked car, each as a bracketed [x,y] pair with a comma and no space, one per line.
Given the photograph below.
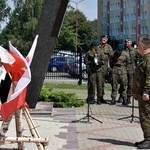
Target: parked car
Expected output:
[57,63]
[68,63]
[75,69]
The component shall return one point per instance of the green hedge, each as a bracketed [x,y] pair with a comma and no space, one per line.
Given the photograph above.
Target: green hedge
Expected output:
[61,99]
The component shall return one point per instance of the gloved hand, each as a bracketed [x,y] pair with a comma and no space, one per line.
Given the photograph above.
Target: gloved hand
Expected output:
[109,70]
[100,63]
[87,66]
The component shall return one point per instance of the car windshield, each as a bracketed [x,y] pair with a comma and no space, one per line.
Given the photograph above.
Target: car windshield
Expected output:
[70,59]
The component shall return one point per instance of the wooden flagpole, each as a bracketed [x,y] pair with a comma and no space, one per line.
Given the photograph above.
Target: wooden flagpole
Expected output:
[40,142]
[19,128]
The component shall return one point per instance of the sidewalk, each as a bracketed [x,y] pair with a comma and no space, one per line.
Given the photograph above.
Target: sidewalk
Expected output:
[63,134]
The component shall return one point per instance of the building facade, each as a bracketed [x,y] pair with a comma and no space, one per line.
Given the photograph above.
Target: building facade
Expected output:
[124,18]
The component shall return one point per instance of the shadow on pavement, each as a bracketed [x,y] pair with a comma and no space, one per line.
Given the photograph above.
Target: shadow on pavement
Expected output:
[113,141]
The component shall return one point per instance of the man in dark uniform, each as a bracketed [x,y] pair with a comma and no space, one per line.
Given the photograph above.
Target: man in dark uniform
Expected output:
[106,50]
[141,91]
[119,61]
[134,57]
[93,63]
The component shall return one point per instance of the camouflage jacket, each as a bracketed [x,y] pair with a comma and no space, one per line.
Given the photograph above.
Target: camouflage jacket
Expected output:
[106,52]
[134,59]
[119,62]
[141,83]
[89,60]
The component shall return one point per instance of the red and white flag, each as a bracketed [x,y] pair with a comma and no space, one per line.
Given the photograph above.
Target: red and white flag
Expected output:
[20,73]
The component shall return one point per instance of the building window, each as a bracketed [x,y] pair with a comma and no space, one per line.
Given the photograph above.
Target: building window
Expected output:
[135,2]
[143,2]
[142,30]
[118,6]
[125,4]
[127,17]
[145,15]
[134,16]
[124,18]
[145,30]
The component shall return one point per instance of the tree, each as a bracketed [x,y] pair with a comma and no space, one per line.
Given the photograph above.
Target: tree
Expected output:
[86,31]
[4,11]
[22,24]
[23,21]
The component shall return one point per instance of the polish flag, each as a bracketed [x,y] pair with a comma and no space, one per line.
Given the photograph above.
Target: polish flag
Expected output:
[19,69]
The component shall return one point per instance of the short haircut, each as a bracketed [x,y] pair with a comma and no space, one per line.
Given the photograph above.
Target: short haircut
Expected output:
[145,41]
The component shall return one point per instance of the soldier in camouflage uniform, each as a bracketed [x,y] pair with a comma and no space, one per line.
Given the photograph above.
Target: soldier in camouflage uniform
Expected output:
[141,91]
[134,57]
[93,63]
[105,50]
[119,61]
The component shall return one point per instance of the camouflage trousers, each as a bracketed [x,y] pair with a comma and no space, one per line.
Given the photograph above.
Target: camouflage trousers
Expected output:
[129,84]
[144,115]
[116,80]
[95,82]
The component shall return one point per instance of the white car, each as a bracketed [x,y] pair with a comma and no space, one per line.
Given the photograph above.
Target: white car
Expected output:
[75,69]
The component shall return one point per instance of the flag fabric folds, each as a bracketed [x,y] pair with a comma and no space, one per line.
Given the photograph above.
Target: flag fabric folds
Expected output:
[19,69]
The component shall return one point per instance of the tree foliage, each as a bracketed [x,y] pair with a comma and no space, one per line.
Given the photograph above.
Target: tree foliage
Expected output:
[23,21]
[4,10]
[86,31]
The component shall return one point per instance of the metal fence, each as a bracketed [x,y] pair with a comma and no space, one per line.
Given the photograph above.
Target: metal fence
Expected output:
[65,65]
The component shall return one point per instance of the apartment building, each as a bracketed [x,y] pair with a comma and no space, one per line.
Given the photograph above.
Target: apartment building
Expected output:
[124,18]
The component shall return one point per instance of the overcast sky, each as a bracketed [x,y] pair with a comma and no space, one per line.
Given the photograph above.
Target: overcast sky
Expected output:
[88,7]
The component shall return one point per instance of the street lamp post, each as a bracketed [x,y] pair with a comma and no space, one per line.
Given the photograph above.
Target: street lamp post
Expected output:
[76,48]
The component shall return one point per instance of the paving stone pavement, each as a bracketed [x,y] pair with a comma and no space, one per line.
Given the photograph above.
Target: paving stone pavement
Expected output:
[65,132]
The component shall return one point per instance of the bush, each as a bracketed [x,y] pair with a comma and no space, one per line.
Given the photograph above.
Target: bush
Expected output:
[44,94]
[60,98]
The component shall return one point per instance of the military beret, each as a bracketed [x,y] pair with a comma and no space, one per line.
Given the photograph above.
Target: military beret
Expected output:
[106,36]
[95,42]
[128,39]
[120,47]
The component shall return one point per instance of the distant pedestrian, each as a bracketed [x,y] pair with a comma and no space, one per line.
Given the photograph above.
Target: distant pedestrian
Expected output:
[141,91]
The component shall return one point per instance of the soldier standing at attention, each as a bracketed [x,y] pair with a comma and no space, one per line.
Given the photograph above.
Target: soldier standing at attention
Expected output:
[141,91]
[93,63]
[119,61]
[106,51]
[133,55]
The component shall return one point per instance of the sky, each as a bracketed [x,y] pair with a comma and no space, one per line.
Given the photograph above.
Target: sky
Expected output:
[88,7]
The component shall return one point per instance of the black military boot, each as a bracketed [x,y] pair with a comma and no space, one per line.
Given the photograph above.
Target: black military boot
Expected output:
[129,99]
[98,101]
[137,143]
[90,100]
[102,100]
[144,145]
[124,101]
[120,99]
[113,101]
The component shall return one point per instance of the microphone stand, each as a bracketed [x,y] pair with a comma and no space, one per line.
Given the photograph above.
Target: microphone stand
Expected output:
[88,116]
[132,113]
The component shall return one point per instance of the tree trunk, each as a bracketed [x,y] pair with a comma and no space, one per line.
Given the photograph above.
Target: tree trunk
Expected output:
[48,29]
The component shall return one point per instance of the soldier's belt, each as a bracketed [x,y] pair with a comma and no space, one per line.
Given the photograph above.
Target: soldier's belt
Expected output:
[117,65]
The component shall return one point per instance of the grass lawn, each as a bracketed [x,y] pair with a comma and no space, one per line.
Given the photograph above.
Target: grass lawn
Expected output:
[71,86]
